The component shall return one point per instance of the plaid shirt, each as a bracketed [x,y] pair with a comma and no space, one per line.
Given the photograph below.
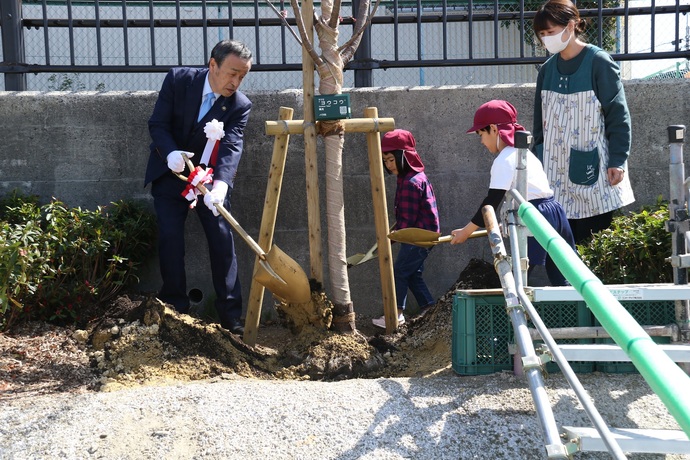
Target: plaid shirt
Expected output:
[415,203]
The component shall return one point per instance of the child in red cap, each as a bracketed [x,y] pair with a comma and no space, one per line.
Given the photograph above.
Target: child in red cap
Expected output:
[415,206]
[496,123]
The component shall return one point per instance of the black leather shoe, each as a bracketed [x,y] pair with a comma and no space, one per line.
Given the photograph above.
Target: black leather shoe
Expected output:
[234,325]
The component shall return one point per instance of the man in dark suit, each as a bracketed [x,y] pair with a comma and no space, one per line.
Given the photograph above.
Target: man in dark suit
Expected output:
[177,127]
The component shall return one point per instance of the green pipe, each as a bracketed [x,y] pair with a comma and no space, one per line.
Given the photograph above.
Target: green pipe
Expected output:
[664,376]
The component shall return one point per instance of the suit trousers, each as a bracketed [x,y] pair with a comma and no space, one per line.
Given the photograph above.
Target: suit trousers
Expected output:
[171,212]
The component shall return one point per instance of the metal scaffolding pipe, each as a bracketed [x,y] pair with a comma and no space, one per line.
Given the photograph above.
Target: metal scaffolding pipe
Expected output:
[544,334]
[595,332]
[532,367]
[665,378]
[679,223]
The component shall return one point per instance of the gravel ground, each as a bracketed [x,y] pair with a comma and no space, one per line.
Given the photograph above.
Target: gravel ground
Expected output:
[443,417]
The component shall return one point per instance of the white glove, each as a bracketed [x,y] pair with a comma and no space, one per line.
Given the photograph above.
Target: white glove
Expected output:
[216,195]
[175,160]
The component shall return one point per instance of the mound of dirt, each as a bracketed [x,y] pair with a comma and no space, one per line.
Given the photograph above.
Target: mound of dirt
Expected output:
[140,341]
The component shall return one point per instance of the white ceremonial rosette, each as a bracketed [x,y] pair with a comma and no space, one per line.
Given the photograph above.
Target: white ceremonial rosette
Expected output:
[214,133]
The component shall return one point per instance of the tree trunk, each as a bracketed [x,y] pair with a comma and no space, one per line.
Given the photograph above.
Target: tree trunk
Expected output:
[331,82]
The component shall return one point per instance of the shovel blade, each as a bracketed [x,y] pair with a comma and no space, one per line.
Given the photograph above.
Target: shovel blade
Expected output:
[424,244]
[360,259]
[355,259]
[291,284]
[265,266]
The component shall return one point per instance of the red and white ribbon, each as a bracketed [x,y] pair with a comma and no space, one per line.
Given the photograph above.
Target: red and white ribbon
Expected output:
[198,176]
[214,133]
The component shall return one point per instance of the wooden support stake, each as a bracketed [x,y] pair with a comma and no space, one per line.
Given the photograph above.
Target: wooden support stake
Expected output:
[378,192]
[268,224]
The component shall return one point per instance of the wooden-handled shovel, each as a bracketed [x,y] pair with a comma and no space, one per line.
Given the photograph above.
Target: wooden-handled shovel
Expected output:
[425,238]
[277,271]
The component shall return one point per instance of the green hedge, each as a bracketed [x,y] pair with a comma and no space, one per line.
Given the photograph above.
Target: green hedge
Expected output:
[57,262]
[633,250]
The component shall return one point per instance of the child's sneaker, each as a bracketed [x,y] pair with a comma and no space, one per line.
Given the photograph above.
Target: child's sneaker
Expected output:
[381,322]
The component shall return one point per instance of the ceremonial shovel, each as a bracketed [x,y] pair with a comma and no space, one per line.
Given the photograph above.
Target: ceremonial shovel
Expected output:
[277,272]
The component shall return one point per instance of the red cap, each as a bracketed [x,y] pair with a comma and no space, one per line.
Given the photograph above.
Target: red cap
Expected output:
[399,139]
[499,113]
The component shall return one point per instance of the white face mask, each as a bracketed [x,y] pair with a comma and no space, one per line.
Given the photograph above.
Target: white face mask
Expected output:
[554,43]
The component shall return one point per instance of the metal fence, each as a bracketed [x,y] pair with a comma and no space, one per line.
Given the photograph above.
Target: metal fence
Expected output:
[118,45]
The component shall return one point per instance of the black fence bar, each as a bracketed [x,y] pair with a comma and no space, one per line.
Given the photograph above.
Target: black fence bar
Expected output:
[70,25]
[470,23]
[495,21]
[152,36]
[10,68]
[257,53]
[626,19]
[230,20]
[204,27]
[178,27]
[12,42]
[396,31]
[354,65]
[46,29]
[363,77]
[420,45]
[283,33]
[99,42]
[445,28]
[38,23]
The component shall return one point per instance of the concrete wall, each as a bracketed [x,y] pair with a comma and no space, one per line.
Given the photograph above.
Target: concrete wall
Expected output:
[89,149]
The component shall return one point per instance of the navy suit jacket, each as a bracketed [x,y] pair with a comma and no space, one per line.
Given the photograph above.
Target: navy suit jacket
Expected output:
[173,125]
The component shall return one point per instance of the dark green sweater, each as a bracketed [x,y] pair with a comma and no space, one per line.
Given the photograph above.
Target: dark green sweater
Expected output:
[608,87]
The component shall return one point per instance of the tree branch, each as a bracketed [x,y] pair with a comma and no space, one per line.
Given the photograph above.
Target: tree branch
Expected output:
[284,21]
[347,51]
[335,15]
[306,44]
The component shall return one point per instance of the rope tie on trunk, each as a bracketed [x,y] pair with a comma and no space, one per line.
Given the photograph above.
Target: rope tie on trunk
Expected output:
[330,127]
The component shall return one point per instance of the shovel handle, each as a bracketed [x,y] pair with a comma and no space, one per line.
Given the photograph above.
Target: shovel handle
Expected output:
[475,234]
[224,212]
